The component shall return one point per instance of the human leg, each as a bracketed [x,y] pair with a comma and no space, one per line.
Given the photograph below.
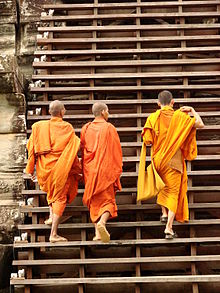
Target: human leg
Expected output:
[101,227]
[54,237]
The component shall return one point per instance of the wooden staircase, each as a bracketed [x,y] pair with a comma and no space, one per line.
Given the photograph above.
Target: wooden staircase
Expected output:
[125,53]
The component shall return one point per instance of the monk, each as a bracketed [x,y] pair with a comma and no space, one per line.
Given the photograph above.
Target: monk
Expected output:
[102,167]
[172,137]
[53,148]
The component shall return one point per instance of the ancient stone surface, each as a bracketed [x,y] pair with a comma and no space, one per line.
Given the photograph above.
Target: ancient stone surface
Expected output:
[12,113]
[6,257]
[8,11]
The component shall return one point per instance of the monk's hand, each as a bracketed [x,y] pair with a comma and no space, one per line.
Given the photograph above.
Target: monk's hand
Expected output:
[187,109]
[33,177]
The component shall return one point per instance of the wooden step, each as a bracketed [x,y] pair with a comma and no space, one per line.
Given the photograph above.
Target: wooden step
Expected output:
[150,4]
[118,16]
[202,87]
[154,27]
[57,41]
[98,52]
[122,260]
[119,280]
[124,190]
[139,129]
[27,227]
[166,75]
[75,103]
[142,242]
[127,63]
[112,116]
[124,207]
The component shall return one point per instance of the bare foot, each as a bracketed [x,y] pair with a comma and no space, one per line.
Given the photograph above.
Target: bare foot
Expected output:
[96,238]
[57,238]
[48,221]
[105,236]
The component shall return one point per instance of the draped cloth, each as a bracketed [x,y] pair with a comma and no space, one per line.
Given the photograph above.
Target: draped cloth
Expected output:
[53,147]
[102,167]
[173,140]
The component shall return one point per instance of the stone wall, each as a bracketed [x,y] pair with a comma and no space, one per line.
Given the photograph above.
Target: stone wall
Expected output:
[19,20]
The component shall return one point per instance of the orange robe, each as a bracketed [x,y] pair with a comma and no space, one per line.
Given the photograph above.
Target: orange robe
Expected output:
[53,147]
[102,167]
[173,140]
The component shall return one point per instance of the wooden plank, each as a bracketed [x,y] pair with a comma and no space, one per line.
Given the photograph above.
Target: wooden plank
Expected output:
[127,102]
[127,63]
[123,260]
[131,207]
[126,75]
[120,224]
[118,280]
[62,41]
[126,28]
[130,16]
[209,87]
[124,190]
[135,129]
[130,5]
[128,51]
[113,116]
[143,242]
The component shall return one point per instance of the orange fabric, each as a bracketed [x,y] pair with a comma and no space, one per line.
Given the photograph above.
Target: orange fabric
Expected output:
[103,202]
[169,131]
[53,147]
[102,165]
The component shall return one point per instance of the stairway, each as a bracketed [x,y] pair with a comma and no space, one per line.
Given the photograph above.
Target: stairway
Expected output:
[124,53]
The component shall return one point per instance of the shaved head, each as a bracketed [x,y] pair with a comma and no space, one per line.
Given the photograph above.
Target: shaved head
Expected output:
[165,98]
[55,108]
[98,107]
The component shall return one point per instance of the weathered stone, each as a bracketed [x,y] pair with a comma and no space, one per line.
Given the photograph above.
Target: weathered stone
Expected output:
[6,257]
[8,11]
[12,113]
[7,39]
[30,10]
[28,37]
[11,80]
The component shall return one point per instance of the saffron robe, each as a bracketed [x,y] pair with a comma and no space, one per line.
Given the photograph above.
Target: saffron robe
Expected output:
[102,167]
[169,133]
[53,147]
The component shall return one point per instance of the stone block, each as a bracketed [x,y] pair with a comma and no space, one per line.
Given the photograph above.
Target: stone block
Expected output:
[8,11]
[7,39]
[12,113]
[30,10]
[6,258]
[11,79]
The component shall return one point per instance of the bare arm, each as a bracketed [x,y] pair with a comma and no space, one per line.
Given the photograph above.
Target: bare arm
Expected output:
[198,123]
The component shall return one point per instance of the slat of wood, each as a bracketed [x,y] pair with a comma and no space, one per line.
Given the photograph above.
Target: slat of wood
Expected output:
[210,87]
[119,280]
[126,75]
[39,192]
[127,102]
[143,242]
[131,207]
[113,116]
[130,16]
[129,27]
[137,129]
[127,39]
[123,260]
[190,189]
[127,63]
[128,51]
[130,5]
[190,173]
[120,224]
